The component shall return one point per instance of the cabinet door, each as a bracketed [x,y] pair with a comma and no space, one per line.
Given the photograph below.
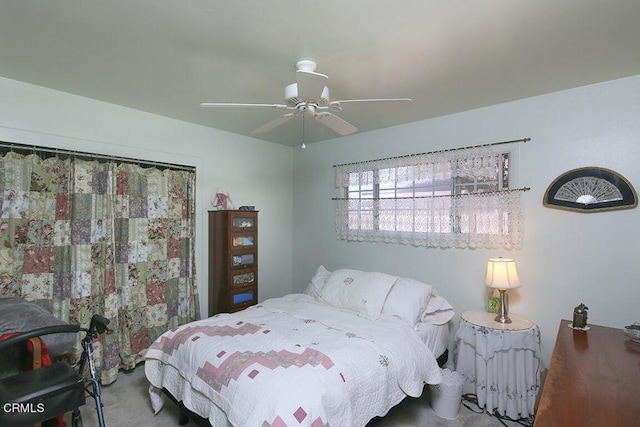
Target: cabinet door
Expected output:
[239,241]
[243,299]
[243,222]
[243,279]
[243,260]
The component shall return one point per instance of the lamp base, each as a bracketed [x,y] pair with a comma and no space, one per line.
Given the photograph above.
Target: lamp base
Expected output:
[502,319]
[502,316]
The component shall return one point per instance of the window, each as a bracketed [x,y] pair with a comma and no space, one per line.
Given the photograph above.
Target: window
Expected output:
[448,199]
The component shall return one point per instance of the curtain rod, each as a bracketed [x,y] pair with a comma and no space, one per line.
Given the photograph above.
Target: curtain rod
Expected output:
[438,151]
[35,148]
[442,195]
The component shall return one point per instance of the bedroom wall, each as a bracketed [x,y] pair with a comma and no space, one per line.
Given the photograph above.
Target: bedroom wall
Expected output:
[566,258]
[253,172]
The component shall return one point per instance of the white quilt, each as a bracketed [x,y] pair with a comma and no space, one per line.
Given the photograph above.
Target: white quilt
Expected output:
[293,361]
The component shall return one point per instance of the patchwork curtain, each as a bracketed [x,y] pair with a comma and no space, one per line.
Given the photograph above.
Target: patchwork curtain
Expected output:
[82,237]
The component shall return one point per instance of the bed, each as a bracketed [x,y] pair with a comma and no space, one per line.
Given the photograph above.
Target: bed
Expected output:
[351,347]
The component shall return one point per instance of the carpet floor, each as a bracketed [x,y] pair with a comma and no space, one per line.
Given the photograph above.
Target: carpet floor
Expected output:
[126,403]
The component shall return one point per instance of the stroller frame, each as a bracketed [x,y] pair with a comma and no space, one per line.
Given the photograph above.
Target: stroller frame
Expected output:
[15,389]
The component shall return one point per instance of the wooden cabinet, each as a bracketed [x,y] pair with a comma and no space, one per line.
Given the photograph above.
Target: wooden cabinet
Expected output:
[593,380]
[233,260]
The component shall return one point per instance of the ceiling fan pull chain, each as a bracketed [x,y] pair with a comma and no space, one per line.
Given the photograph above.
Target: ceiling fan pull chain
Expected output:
[303,146]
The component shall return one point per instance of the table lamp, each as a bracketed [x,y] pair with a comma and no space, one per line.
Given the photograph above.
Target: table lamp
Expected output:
[502,275]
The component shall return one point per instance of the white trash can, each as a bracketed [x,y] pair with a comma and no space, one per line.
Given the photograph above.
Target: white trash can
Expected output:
[447,396]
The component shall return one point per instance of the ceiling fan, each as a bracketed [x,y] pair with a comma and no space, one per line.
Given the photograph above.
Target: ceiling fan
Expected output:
[309,96]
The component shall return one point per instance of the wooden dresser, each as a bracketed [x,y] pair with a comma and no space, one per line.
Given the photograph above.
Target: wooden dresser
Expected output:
[593,380]
[233,260]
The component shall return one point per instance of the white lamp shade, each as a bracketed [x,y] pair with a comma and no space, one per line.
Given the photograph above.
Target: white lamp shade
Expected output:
[502,274]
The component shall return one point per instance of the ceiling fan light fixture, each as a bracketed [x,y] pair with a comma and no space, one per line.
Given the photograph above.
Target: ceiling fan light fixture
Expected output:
[293,100]
[306,65]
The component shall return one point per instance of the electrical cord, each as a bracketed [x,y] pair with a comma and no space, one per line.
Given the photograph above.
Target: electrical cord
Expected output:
[473,399]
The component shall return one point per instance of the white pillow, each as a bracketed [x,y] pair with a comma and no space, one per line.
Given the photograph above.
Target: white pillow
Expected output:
[317,282]
[408,300]
[363,293]
[438,311]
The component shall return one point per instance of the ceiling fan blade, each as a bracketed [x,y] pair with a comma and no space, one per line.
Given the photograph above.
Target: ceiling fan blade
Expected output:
[338,105]
[310,84]
[232,104]
[275,123]
[336,123]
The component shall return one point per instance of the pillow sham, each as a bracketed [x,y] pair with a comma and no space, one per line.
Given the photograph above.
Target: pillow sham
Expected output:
[438,311]
[317,282]
[363,293]
[408,300]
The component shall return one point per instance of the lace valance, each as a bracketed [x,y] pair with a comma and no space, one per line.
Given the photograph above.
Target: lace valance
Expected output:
[475,162]
[447,199]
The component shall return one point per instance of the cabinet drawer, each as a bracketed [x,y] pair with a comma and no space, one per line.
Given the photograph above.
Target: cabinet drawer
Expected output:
[244,279]
[243,260]
[243,299]
[243,241]
[240,222]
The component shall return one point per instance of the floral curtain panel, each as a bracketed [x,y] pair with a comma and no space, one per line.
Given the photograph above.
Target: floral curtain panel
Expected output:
[82,237]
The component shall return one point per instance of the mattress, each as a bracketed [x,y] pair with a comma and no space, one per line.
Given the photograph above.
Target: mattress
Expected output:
[436,337]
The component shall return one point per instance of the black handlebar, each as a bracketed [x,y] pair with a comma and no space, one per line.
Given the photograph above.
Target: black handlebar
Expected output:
[99,324]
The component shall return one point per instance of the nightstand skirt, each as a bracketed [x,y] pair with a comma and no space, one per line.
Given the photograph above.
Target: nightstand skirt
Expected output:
[501,367]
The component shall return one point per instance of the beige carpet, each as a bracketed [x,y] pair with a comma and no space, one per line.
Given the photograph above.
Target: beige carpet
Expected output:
[126,403]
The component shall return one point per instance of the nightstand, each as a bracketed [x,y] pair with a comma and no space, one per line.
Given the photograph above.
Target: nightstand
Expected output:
[501,363]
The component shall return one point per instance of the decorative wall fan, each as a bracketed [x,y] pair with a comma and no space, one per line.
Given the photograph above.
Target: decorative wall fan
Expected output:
[590,189]
[309,96]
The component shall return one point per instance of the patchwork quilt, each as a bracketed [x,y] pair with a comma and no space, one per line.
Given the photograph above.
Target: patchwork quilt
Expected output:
[291,361]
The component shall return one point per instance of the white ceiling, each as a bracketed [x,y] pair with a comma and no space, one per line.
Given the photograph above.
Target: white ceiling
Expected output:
[166,57]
